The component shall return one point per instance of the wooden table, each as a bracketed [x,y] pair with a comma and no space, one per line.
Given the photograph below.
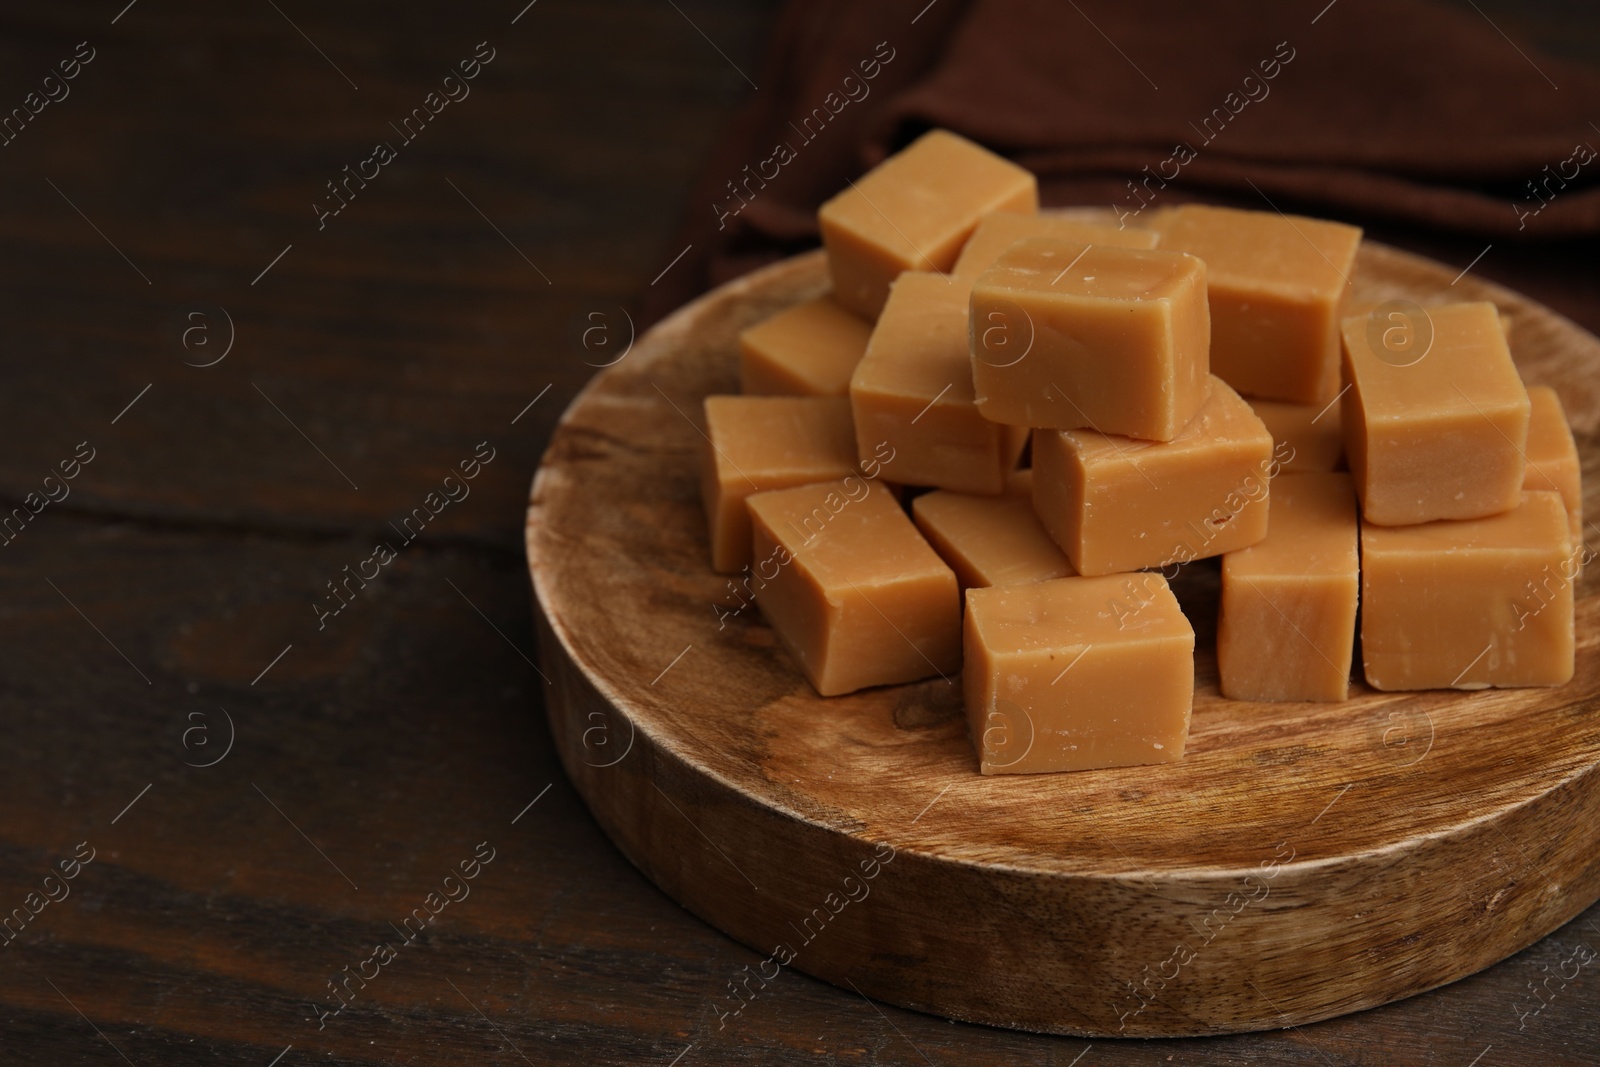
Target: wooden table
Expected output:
[269,789]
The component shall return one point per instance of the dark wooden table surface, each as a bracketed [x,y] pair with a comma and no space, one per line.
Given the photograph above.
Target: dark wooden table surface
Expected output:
[250,399]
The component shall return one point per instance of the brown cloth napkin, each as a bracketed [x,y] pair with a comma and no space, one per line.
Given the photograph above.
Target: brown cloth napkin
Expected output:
[1395,110]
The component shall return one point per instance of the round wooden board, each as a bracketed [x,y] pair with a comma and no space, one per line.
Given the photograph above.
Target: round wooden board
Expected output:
[1302,861]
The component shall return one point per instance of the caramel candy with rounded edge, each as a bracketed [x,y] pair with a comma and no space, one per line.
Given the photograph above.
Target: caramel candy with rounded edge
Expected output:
[1386,311]
[913,389]
[755,443]
[1553,455]
[989,540]
[1435,433]
[1307,436]
[1117,504]
[1277,283]
[1057,678]
[1068,336]
[914,211]
[1000,231]
[1286,629]
[810,349]
[1470,603]
[852,590]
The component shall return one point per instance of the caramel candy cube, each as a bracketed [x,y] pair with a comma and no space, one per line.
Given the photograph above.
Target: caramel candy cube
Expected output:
[1062,676]
[810,349]
[1276,283]
[1000,231]
[754,443]
[1435,433]
[914,211]
[1117,504]
[989,540]
[853,591]
[1307,436]
[1399,313]
[1287,625]
[1470,603]
[913,390]
[1553,456]
[1067,336]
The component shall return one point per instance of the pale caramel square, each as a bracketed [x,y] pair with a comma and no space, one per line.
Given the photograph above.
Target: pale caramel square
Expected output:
[1062,675]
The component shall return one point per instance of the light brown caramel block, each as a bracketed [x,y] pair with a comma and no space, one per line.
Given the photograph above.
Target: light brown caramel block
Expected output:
[858,597]
[1307,435]
[1058,679]
[1399,313]
[1116,504]
[1287,625]
[913,390]
[1276,283]
[754,443]
[1400,329]
[1067,335]
[1000,231]
[1553,455]
[989,540]
[1436,434]
[914,211]
[1471,603]
[810,349]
